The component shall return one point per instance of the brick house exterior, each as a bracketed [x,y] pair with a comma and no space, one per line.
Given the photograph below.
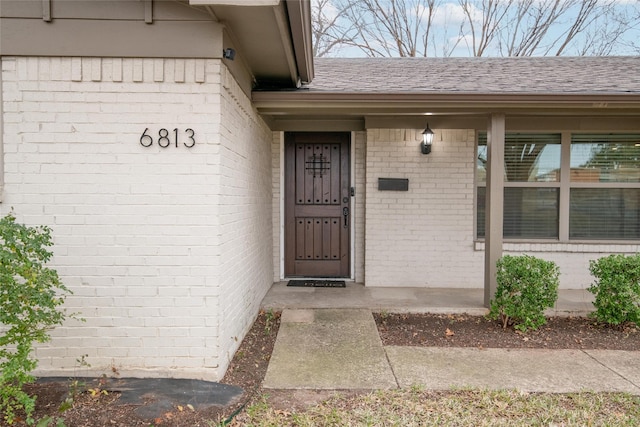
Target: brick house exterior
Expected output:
[159,163]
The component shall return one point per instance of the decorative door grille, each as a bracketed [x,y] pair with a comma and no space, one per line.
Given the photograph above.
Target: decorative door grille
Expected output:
[317,164]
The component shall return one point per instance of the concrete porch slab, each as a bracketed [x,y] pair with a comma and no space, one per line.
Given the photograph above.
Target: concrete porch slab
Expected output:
[571,302]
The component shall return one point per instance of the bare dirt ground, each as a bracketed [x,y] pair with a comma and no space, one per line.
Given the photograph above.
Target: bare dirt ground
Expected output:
[249,365]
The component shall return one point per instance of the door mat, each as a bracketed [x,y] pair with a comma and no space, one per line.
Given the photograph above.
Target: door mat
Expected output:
[317,283]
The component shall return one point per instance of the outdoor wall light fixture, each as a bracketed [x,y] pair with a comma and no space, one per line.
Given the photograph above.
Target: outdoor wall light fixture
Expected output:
[229,53]
[427,140]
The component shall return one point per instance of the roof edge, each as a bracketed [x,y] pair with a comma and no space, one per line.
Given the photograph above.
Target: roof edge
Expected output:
[515,97]
[299,103]
[299,13]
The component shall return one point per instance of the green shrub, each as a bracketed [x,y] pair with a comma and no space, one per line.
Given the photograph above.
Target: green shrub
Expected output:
[30,296]
[526,287]
[616,288]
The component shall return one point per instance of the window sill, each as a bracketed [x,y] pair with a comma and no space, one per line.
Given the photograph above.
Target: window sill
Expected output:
[574,247]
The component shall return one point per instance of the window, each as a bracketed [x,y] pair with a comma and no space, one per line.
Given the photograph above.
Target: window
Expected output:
[532,184]
[605,187]
[600,181]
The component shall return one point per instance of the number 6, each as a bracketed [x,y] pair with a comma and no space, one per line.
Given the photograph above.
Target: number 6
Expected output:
[149,138]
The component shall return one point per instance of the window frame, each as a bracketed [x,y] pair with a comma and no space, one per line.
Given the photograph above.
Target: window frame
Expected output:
[564,185]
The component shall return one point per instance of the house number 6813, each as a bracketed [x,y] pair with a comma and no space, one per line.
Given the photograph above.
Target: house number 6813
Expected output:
[165,138]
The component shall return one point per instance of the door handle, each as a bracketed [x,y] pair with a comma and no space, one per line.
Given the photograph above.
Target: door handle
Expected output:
[345,214]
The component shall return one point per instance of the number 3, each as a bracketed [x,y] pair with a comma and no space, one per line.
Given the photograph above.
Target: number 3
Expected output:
[191,137]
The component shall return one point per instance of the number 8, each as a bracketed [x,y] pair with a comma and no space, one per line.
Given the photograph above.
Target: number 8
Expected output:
[164,135]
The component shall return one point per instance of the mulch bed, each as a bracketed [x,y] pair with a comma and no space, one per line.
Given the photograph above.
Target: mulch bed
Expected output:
[247,371]
[461,330]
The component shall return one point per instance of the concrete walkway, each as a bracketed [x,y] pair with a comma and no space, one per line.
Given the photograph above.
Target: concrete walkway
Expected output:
[328,349]
[341,349]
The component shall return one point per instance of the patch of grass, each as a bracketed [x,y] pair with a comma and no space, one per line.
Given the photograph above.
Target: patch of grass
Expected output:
[472,407]
[269,320]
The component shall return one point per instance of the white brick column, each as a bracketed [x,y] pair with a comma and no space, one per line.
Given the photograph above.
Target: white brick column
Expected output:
[137,230]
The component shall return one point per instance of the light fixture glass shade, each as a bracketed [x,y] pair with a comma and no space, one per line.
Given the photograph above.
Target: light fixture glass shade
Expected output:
[427,136]
[427,140]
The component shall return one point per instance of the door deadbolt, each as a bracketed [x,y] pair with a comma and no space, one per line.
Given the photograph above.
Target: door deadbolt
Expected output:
[345,213]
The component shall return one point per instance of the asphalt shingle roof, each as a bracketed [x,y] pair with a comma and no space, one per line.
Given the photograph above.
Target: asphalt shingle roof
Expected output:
[530,75]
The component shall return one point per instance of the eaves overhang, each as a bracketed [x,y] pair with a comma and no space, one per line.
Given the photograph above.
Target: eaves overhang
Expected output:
[272,37]
[302,102]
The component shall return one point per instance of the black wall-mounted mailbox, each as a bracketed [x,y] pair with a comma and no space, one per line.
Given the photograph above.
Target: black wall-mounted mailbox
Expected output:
[393,184]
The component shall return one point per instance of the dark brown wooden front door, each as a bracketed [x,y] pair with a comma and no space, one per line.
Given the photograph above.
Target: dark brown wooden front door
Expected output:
[317,204]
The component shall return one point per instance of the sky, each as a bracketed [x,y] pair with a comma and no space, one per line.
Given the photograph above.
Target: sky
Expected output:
[449,16]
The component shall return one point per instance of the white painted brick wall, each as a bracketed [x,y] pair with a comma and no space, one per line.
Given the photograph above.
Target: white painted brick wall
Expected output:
[277,157]
[424,236]
[572,258]
[138,231]
[245,215]
[358,204]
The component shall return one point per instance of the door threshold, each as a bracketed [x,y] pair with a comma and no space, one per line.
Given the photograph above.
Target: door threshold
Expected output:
[314,283]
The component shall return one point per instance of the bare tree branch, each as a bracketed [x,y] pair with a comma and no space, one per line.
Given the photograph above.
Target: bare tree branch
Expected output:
[583,18]
[604,32]
[328,33]
[600,40]
[635,44]
[493,14]
[487,27]
[388,27]
[531,24]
